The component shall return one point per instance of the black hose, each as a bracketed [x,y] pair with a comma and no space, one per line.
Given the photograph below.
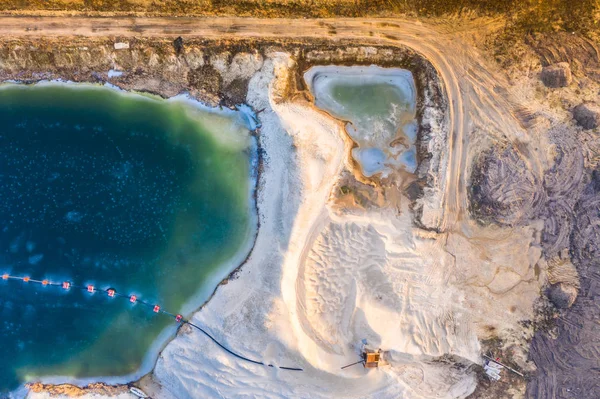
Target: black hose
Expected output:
[235,354]
[149,305]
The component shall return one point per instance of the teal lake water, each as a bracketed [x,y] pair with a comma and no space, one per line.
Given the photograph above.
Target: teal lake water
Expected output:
[117,190]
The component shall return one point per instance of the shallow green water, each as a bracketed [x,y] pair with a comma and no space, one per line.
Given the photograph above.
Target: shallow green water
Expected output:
[369,101]
[379,106]
[98,187]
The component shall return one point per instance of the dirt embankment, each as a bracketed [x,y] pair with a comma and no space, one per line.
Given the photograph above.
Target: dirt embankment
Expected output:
[69,390]
[209,71]
[214,71]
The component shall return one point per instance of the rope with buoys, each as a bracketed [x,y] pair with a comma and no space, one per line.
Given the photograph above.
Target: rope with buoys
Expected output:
[111,292]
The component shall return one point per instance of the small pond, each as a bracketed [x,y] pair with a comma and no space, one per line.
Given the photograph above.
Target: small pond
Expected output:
[378,105]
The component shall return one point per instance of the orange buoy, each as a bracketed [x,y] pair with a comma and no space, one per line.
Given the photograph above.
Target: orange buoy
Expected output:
[66,285]
[44,282]
[156,309]
[178,318]
[90,289]
[132,299]
[111,292]
[5,277]
[26,279]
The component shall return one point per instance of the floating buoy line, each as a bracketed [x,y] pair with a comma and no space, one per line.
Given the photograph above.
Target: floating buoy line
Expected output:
[112,293]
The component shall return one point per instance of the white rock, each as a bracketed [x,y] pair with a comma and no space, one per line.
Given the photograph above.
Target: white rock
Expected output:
[121,45]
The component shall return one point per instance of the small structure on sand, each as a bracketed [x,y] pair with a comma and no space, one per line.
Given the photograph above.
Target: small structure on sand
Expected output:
[138,392]
[371,358]
[493,367]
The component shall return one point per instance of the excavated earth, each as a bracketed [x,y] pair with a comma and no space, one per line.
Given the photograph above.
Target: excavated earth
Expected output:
[566,347]
[568,356]
[565,198]
[510,183]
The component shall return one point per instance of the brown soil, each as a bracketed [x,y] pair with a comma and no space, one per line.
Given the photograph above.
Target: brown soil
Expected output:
[266,8]
[75,391]
[582,53]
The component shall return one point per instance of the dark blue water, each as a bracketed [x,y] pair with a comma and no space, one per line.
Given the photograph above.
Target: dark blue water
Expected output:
[98,187]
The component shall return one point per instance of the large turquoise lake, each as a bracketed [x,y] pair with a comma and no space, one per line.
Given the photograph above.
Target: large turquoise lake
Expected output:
[147,196]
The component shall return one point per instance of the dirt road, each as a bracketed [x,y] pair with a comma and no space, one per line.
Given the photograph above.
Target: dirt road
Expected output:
[476,96]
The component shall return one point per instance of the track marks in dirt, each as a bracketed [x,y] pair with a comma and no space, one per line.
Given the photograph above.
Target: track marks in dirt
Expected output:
[568,360]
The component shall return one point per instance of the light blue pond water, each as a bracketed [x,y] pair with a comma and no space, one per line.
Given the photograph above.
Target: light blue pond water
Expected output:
[379,106]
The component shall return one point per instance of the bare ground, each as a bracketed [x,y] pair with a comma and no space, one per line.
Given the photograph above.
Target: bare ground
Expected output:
[483,114]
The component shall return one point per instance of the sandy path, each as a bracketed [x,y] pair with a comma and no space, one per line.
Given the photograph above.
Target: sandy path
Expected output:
[475,93]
